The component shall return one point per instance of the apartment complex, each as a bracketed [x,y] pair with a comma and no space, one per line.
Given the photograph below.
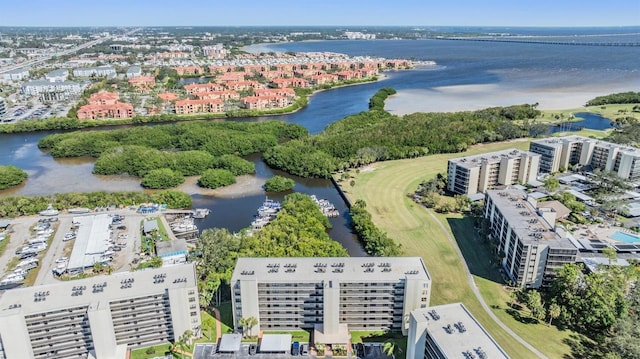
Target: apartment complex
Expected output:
[53,91]
[329,295]
[449,331]
[530,246]
[476,174]
[105,104]
[560,152]
[106,71]
[99,317]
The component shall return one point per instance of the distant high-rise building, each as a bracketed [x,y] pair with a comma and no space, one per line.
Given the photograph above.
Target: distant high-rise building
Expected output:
[475,174]
[561,152]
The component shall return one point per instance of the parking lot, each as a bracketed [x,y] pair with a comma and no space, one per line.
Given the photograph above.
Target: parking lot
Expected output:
[20,233]
[208,351]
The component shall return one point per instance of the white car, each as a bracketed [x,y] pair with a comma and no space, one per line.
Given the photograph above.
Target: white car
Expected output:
[62,260]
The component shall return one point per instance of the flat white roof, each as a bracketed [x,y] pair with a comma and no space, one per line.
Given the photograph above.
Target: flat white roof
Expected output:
[455,331]
[275,343]
[230,343]
[369,269]
[91,291]
[91,240]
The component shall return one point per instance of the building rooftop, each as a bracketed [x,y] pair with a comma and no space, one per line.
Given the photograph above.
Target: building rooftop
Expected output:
[230,343]
[493,157]
[330,268]
[171,248]
[92,240]
[558,142]
[82,292]
[58,72]
[456,332]
[525,220]
[275,343]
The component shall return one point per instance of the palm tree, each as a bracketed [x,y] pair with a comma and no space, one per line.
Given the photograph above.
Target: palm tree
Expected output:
[252,322]
[243,323]
[554,312]
[391,348]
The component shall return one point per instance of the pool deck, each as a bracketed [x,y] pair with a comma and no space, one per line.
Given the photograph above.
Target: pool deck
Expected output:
[602,232]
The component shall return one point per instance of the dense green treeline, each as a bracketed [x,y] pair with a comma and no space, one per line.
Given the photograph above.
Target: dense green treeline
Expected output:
[376,102]
[217,138]
[616,98]
[187,148]
[376,135]
[26,206]
[376,242]
[11,176]
[299,230]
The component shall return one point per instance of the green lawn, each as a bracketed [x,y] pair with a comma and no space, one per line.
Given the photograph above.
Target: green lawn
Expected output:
[385,185]
[4,243]
[301,336]
[158,350]
[608,111]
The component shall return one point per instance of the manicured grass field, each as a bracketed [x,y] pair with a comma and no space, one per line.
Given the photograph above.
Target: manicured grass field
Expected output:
[608,111]
[384,187]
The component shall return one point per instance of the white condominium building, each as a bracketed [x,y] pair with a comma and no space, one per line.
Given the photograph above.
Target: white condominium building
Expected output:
[330,295]
[107,71]
[53,91]
[476,174]
[449,331]
[557,152]
[530,247]
[99,317]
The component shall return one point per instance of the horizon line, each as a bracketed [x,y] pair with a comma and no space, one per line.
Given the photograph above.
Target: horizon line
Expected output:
[323,26]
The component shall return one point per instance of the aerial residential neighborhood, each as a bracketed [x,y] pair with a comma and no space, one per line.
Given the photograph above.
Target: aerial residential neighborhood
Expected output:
[258,180]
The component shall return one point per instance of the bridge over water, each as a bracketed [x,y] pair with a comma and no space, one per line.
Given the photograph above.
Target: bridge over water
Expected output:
[543,42]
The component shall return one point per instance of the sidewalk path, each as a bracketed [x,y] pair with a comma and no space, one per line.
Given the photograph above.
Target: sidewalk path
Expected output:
[216,312]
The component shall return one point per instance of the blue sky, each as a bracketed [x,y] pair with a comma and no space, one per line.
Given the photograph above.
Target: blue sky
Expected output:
[320,12]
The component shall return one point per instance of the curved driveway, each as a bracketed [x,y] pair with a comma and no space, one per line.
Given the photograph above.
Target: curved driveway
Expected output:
[476,292]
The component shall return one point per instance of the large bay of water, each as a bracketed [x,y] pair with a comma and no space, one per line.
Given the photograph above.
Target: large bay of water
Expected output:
[469,75]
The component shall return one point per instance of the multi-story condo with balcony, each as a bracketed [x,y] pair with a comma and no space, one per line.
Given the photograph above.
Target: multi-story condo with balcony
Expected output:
[530,247]
[561,152]
[449,331]
[99,317]
[475,174]
[329,295]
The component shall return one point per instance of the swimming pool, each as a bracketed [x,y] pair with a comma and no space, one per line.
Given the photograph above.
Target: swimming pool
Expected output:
[625,237]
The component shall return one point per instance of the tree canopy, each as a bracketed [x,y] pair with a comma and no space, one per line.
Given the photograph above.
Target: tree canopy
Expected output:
[162,178]
[299,230]
[215,178]
[279,184]
[376,135]
[11,176]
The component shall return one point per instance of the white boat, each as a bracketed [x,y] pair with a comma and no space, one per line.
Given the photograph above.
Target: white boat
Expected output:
[50,211]
[79,210]
[200,213]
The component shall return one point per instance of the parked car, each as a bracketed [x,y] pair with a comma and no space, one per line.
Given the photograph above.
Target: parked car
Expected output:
[295,348]
[304,349]
[253,348]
